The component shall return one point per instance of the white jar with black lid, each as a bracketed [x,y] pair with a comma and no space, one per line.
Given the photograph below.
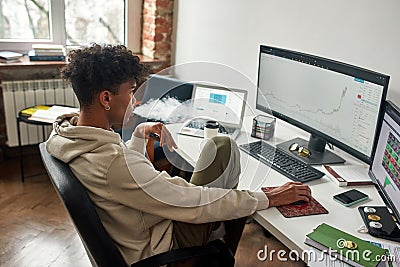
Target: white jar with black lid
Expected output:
[211,129]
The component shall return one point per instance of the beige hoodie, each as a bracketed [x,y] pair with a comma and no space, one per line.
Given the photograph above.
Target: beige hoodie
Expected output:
[138,203]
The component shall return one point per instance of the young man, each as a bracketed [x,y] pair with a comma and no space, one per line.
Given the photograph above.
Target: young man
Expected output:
[147,212]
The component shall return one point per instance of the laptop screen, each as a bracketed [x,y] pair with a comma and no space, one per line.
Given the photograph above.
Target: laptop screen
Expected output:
[224,105]
[385,168]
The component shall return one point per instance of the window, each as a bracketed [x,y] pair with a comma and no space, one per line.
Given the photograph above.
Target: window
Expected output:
[69,22]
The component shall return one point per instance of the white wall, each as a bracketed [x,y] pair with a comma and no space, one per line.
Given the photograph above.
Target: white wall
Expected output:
[364,33]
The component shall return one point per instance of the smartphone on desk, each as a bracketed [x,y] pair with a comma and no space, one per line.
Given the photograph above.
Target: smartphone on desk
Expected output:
[350,197]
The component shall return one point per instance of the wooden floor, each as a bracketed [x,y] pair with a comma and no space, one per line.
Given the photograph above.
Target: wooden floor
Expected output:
[35,230]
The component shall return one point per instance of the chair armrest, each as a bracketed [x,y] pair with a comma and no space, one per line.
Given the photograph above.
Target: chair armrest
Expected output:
[176,255]
[216,252]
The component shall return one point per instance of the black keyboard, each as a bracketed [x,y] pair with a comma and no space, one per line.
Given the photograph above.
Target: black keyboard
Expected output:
[280,161]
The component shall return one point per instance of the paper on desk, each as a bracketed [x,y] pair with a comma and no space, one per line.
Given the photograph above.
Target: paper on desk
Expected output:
[346,175]
[393,251]
[51,114]
[352,172]
[319,259]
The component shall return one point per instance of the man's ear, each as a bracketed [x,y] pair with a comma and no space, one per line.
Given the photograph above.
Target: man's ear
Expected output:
[105,99]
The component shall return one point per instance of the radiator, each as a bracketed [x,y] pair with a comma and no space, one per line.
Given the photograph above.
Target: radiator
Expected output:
[18,95]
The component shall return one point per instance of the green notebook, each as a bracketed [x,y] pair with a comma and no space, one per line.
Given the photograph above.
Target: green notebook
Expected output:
[365,253]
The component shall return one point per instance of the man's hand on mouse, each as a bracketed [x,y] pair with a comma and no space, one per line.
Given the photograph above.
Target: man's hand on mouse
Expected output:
[288,193]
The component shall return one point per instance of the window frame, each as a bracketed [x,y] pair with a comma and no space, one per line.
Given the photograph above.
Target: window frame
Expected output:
[133,26]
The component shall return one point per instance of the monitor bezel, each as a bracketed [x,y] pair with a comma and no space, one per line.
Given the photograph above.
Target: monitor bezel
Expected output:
[336,66]
[394,112]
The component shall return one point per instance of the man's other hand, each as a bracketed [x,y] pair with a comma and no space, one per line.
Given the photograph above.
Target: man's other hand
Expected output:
[150,130]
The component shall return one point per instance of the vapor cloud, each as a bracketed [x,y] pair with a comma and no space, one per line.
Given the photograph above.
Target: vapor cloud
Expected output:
[168,110]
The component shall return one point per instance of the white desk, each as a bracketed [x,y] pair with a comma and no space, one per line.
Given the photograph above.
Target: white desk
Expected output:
[290,231]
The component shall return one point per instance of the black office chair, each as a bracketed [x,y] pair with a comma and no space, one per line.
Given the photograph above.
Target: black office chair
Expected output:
[99,246]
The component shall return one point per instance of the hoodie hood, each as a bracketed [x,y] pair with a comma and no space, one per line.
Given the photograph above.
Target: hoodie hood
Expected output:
[69,141]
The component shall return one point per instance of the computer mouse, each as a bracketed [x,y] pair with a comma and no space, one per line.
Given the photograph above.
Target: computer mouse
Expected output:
[299,202]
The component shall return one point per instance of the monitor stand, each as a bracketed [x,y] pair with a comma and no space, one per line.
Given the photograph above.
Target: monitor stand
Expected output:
[387,228]
[319,155]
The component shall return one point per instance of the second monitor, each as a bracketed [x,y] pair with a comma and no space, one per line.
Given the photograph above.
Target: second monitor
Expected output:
[335,102]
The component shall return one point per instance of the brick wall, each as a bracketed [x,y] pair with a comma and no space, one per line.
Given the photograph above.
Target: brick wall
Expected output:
[157,29]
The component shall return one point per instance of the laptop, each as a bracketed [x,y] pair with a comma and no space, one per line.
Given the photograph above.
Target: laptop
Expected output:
[225,105]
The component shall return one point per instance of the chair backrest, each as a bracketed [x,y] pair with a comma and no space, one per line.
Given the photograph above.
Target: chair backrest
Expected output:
[81,209]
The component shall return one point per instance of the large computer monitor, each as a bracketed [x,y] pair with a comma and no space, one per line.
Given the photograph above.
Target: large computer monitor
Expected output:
[385,167]
[335,102]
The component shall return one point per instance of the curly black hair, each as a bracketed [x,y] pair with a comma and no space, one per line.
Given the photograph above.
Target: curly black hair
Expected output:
[99,67]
